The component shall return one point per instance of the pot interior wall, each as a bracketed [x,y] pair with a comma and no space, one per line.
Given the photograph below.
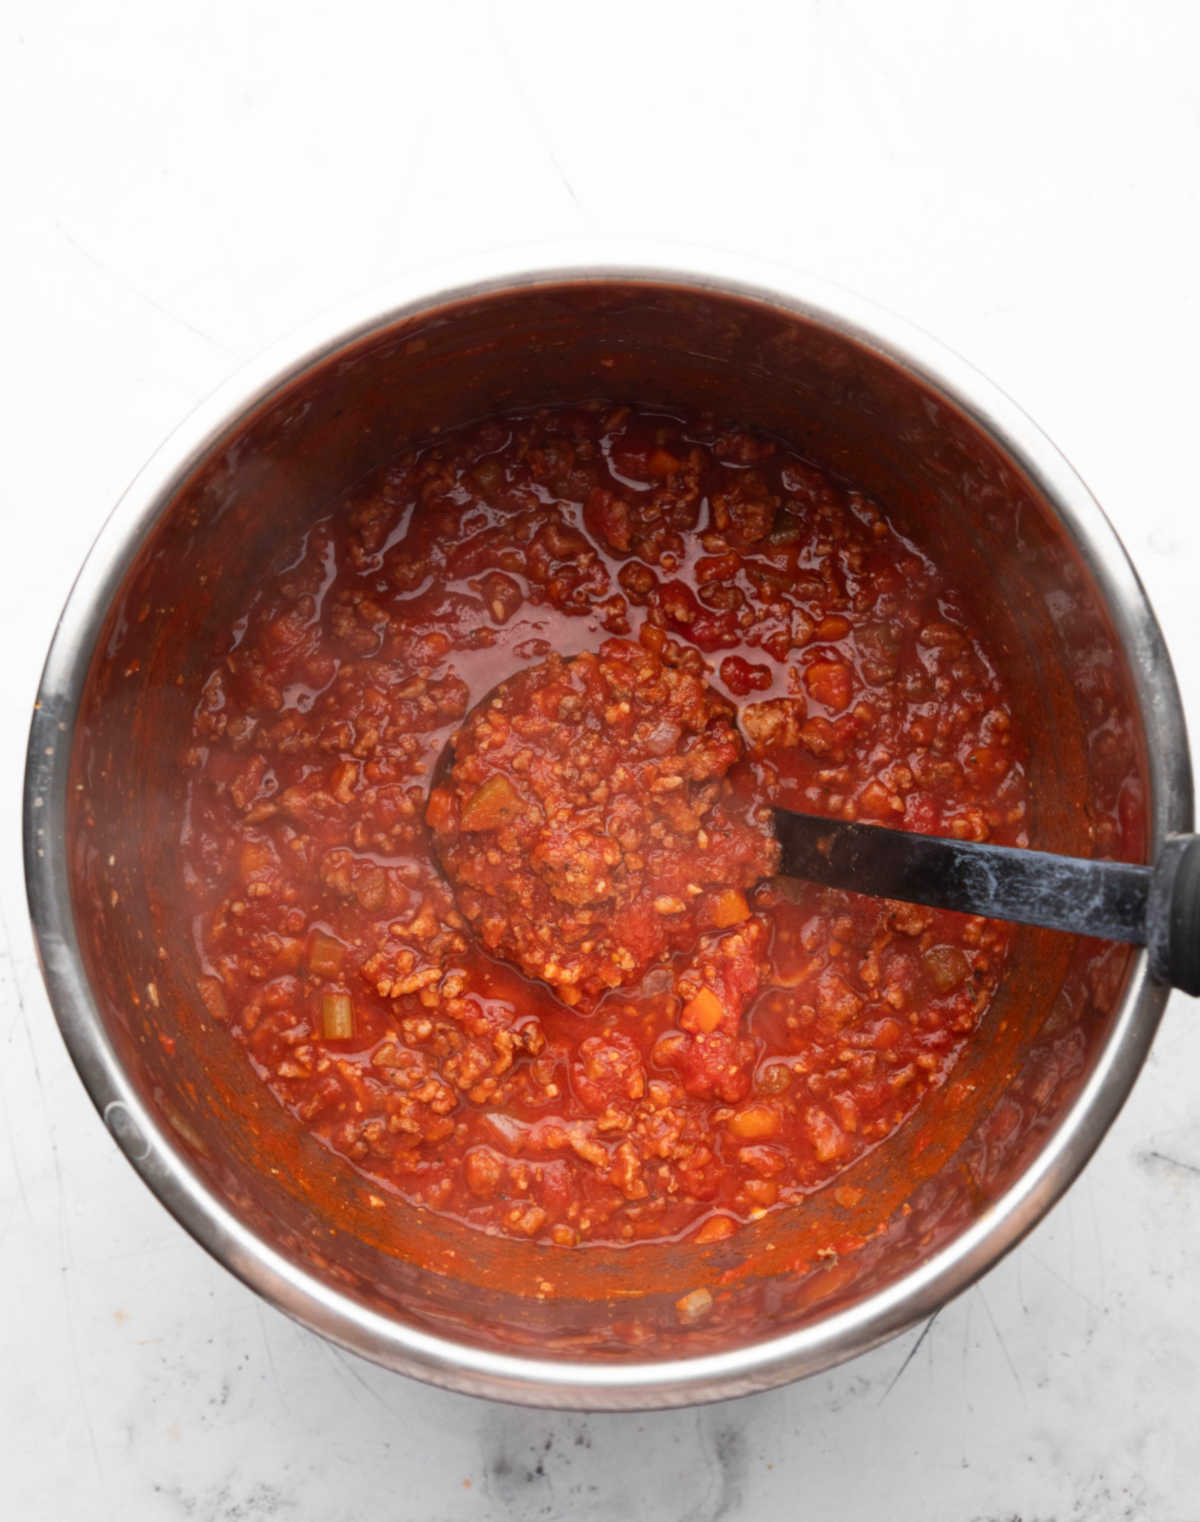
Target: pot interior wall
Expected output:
[851,411]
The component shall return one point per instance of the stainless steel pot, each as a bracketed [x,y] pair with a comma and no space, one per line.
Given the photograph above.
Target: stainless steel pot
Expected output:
[860,393]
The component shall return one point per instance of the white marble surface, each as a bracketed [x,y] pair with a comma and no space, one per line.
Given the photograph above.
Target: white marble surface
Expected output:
[182,185]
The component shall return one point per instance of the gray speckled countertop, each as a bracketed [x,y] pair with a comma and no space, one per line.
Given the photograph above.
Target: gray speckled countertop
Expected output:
[183,185]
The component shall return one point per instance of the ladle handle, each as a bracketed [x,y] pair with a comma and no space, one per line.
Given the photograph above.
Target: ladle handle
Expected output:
[1173,914]
[1158,906]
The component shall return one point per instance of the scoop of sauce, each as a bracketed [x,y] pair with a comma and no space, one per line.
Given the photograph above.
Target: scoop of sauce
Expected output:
[589,820]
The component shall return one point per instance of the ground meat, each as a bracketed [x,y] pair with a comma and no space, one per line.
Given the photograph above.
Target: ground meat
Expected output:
[588,822]
[775,637]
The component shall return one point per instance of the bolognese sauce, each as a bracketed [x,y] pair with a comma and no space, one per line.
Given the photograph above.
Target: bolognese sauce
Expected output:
[478,826]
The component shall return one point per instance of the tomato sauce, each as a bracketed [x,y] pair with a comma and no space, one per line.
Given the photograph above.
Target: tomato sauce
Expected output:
[544,981]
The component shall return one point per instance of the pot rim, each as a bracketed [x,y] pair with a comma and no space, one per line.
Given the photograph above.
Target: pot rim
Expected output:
[157,1155]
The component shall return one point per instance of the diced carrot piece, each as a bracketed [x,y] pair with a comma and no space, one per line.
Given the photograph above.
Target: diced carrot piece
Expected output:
[492,804]
[829,683]
[715,1229]
[730,908]
[662,464]
[702,1013]
[755,1121]
[652,638]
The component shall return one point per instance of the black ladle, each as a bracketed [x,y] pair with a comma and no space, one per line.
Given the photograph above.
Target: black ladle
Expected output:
[1157,907]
